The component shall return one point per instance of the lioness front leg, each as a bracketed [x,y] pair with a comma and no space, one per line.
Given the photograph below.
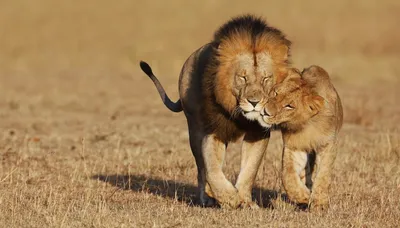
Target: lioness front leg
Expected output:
[324,164]
[293,165]
[253,149]
[214,154]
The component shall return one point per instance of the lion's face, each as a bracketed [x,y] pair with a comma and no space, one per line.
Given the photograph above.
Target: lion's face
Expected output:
[248,66]
[290,102]
[251,76]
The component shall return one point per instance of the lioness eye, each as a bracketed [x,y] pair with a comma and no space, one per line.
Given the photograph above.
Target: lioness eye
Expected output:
[289,107]
[265,79]
[243,78]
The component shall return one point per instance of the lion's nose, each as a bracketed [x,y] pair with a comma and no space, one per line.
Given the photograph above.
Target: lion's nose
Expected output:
[253,102]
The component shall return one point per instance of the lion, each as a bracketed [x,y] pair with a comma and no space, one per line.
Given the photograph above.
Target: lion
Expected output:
[221,87]
[308,110]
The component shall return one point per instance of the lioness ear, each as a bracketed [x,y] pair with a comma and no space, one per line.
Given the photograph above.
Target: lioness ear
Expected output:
[283,51]
[293,74]
[316,103]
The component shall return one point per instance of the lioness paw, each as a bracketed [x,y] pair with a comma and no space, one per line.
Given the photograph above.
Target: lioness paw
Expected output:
[249,205]
[318,207]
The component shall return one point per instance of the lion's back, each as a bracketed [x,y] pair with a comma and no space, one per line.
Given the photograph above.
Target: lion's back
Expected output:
[190,79]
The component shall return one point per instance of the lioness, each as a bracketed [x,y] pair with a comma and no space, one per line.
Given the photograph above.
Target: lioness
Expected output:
[221,88]
[309,113]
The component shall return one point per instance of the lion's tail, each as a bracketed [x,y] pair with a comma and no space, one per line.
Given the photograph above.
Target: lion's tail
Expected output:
[175,107]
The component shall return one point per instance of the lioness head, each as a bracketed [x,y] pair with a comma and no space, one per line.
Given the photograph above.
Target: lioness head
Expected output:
[291,102]
[247,69]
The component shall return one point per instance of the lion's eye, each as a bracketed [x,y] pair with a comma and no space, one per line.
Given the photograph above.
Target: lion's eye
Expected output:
[289,107]
[266,78]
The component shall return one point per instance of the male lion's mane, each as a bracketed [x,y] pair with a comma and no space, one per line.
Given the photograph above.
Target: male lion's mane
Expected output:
[246,34]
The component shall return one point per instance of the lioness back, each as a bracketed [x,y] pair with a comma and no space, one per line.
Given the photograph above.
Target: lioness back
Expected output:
[321,84]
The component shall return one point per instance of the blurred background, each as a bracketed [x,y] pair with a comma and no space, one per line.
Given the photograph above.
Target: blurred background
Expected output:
[83,55]
[75,107]
[70,68]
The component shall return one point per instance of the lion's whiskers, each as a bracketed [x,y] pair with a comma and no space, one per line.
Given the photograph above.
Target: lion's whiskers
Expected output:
[236,112]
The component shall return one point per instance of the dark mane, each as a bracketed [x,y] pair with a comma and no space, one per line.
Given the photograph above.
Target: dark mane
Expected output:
[255,26]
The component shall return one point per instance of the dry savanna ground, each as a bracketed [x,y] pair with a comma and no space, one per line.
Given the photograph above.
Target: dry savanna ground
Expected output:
[86,141]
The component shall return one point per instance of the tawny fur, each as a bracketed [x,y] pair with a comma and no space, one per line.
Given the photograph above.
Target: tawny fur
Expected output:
[221,88]
[308,110]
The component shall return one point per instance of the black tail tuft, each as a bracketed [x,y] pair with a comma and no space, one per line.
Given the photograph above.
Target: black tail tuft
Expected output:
[146,68]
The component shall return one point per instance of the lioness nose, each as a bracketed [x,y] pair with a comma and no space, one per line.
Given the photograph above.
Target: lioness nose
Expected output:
[253,102]
[265,112]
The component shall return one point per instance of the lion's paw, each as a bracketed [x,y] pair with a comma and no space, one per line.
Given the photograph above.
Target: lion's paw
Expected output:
[232,202]
[207,201]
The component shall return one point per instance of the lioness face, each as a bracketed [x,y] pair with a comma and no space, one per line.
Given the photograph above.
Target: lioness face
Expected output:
[253,77]
[290,102]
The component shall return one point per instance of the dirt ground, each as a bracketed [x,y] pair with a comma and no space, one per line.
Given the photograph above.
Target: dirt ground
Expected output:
[86,141]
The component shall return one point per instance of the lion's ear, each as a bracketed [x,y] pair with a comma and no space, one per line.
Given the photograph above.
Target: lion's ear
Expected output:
[316,103]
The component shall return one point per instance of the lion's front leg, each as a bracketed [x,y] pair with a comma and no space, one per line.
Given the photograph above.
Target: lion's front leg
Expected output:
[214,154]
[253,149]
[196,138]
[324,161]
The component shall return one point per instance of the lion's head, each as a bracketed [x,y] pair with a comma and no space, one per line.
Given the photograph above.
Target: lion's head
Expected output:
[291,102]
[248,63]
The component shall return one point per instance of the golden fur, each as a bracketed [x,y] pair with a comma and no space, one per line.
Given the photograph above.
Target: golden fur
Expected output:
[221,87]
[308,110]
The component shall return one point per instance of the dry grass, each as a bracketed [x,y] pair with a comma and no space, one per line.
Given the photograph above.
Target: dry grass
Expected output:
[86,141]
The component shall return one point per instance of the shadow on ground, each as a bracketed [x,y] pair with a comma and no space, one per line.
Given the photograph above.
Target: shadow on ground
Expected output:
[179,191]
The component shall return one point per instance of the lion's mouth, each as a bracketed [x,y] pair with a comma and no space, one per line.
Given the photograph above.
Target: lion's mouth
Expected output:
[251,115]
[252,111]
